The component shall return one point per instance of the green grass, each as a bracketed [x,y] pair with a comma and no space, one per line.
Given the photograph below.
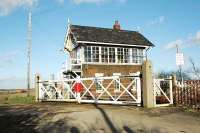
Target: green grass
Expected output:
[16,98]
[21,100]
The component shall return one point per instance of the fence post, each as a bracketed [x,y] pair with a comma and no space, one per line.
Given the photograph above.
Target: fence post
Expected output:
[37,79]
[138,88]
[147,81]
[170,90]
[174,87]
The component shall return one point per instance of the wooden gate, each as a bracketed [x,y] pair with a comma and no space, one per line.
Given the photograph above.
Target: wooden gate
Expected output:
[106,90]
[163,95]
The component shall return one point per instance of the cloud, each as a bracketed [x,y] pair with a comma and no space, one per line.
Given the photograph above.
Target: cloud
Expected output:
[88,1]
[157,20]
[7,6]
[96,1]
[174,44]
[196,38]
[8,58]
[60,1]
[189,41]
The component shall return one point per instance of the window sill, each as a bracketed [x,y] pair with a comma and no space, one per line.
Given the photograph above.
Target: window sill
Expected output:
[99,91]
[98,63]
[117,91]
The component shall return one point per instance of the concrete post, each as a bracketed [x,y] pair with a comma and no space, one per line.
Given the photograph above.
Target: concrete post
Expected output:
[147,81]
[37,79]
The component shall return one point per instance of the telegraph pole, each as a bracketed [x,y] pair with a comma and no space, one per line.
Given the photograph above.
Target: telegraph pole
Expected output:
[180,64]
[29,51]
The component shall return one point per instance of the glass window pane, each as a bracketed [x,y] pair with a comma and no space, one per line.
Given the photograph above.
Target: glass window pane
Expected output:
[120,56]
[126,55]
[112,55]
[104,54]
[140,55]
[87,53]
[95,54]
[134,55]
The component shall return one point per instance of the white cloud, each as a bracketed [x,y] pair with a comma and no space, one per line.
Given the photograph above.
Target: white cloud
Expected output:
[196,38]
[7,6]
[191,40]
[174,44]
[157,20]
[96,1]
[60,1]
[87,1]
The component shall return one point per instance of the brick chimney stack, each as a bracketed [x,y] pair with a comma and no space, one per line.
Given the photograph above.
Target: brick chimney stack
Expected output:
[116,26]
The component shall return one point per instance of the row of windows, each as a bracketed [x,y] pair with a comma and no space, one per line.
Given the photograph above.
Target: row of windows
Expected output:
[113,55]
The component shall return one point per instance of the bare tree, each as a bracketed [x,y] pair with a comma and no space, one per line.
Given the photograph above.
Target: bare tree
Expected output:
[195,70]
[165,74]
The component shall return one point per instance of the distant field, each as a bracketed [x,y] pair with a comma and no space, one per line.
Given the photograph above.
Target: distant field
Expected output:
[16,97]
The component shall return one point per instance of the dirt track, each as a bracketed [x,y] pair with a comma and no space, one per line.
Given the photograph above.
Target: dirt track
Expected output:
[74,118]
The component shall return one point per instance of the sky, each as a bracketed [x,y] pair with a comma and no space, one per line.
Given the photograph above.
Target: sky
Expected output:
[166,23]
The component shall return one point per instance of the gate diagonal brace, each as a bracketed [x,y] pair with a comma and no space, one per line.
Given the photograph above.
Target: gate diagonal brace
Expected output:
[162,92]
[126,89]
[70,89]
[56,90]
[105,90]
[88,90]
[44,89]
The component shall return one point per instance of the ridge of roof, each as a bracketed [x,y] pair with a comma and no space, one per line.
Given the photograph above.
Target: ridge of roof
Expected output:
[115,36]
[121,30]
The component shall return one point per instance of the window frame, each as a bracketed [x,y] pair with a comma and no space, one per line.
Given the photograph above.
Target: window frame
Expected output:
[111,55]
[98,88]
[104,54]
[87,54]
[117,87]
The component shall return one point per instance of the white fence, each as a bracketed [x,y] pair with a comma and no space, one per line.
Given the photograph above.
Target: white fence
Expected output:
[106,90]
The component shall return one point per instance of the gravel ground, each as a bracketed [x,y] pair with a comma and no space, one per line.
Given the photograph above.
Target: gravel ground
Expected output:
[84,118]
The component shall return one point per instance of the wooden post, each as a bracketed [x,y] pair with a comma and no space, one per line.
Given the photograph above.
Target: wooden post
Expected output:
[195,93]
[171,90]
[174,87]
[37,79]
[148,90]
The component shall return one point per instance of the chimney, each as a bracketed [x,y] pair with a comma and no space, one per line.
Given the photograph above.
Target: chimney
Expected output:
[116,26]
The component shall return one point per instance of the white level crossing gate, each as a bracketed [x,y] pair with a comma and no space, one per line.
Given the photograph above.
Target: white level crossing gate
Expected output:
[106,90]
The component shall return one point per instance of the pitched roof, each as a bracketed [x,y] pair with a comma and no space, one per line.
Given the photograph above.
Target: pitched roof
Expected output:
[105,35]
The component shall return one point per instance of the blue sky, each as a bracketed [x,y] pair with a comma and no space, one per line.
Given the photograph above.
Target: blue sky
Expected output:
[163,22]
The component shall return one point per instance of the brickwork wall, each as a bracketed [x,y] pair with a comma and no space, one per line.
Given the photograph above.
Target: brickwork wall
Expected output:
[108,70]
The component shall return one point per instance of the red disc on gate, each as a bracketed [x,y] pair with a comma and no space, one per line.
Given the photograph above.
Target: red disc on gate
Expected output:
[78,87]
